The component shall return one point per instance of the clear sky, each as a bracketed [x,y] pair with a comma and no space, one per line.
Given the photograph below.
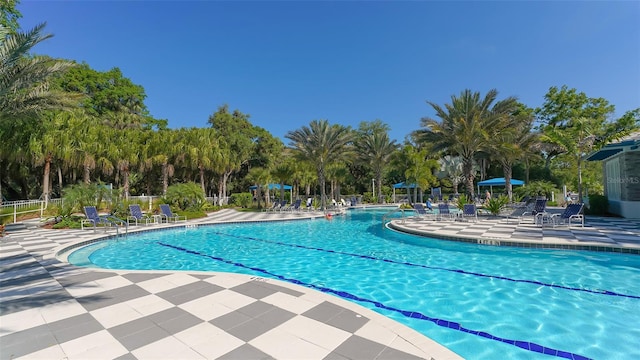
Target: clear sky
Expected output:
[287,63]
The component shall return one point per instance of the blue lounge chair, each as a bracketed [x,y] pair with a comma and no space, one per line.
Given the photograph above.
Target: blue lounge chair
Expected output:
[295,206]
[537,212]
[92,217]
[469,211]
[169,215]
[283,205]
[137,215]
[443,211]
[420,211]
[571,212]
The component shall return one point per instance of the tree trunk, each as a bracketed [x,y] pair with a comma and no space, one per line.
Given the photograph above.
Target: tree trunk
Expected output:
[60,181]
[579,179]
[125,186]
[86,175]
[202,185]
[165,178]
[321,180]
[45,179]
[467,168]
[508,171]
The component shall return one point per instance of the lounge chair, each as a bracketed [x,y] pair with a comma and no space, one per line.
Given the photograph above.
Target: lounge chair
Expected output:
[137,215]
[571,212]
[92,217]
[469,211]
[169,215]
[283,205]
[420,211]
[443,211]
[537,211]
[295,206]
[273,207]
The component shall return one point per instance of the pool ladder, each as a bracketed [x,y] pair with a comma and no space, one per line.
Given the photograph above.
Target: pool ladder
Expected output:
[386,216]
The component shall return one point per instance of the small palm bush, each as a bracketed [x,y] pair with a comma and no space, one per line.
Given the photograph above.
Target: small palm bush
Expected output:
[243,200]
[461,201]
[496,204]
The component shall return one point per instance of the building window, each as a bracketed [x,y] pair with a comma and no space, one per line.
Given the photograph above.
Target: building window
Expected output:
[614,181]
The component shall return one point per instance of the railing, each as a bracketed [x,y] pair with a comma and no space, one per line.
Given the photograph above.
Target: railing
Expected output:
[15,208]
[386,215]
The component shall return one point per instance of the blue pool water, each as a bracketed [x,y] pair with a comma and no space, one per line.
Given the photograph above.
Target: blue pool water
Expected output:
[480,301]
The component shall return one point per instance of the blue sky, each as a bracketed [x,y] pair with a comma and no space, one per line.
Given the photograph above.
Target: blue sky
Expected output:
[287,63]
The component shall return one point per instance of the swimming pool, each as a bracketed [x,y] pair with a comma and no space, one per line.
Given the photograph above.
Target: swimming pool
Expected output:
[480,301]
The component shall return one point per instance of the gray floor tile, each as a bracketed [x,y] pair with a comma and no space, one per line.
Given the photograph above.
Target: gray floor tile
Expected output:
[34,301]
[136,278]
[337,316]
[245,352]
[393,354]
[254,289]
[25,342]
[249,330]
[138,333]
[256,309]
[186,293]
[174,320]
[281,289]
[127,356]
[75,327]
[356,347]
[84,278]
[111,297]
[230,320]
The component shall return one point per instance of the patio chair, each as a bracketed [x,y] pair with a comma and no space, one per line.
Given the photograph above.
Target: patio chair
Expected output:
[283,205]
[537,212]
[469,211]
[169,215]
[571,212]
[92,217]
[295,206]
[273,207]
[420,211]
[443,211]
[137,215]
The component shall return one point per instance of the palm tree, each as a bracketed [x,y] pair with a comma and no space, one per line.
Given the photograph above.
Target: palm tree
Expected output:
[24,86]
[463,128]
[375,148]
[511,143]
[420,170]
[451,168]
[282,172]
[321,144]
[260,177]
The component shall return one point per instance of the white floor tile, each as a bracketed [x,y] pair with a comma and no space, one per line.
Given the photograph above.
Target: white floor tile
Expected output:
[99,345]
[167,348]
[315,332]
[282,345]
[206,308]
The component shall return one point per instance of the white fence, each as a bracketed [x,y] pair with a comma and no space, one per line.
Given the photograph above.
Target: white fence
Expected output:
[14,208]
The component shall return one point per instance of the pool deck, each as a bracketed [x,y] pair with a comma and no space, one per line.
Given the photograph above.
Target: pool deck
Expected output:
[607,234]
[52,310]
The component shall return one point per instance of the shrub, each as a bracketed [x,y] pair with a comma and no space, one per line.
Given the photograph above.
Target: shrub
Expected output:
[598,205]
[244,200]
[187,196]
[496,204]
[461,201]
[536,188]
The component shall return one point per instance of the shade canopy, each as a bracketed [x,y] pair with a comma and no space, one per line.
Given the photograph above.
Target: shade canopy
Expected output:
[271,187]
[499,182]
[402,185]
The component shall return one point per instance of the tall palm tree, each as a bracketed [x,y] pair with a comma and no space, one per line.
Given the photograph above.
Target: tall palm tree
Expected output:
[375,148]
[282,172]
[24,86]
[321,144]
[463,126]
[511,141]
[261,178]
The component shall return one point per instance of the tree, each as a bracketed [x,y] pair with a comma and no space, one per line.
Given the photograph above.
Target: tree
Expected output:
[375,148]
[321,144]
[511,140]
[420,170]
[575,124]
[451,168]
[237,143]
[9,15]
[260,177]
[463,127]
[24,80]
